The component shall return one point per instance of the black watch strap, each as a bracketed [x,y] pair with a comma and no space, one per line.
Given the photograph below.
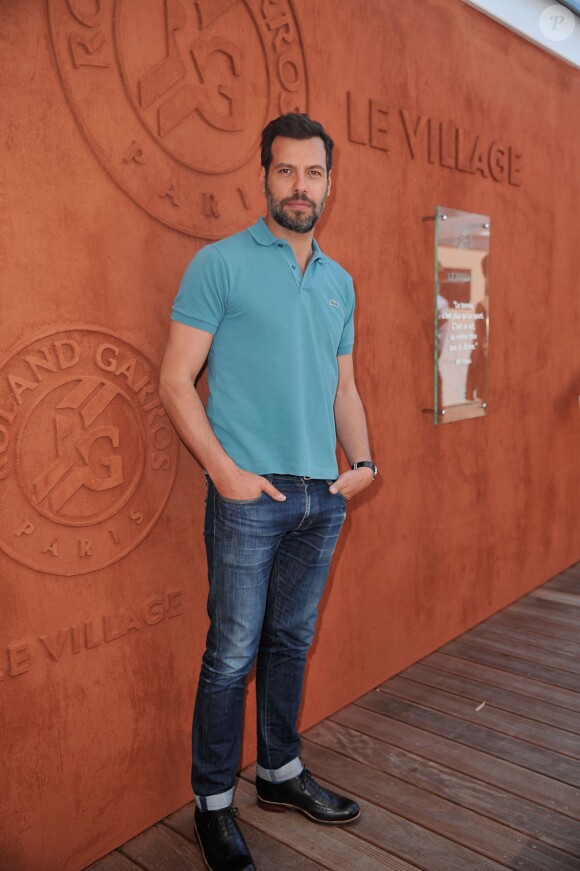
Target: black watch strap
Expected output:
[369,465]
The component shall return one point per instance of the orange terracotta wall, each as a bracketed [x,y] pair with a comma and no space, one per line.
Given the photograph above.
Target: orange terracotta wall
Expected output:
[120,159]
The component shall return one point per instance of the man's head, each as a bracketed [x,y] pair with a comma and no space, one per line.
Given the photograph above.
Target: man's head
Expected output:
[294,126]
[296,162]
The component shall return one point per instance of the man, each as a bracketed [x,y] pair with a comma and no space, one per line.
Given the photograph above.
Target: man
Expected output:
[275,316]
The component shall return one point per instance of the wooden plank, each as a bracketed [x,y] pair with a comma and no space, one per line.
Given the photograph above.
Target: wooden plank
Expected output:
[444,769]
[514,665]
[537,609]
[566,583]
[500,746]
[507,680]
[562,647]
[535,601]
[266,851]
[542,628]
[490,716]
[555,658]
[571,600]
[113,862]
[426,849]
[491,844]
[479,691]
[333,847]
[159,848]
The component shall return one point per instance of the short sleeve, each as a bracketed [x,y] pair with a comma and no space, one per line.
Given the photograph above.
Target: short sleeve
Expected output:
[202,295]
[347,339]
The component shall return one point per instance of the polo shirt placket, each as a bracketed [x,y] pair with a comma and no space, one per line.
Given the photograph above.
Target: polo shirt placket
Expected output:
[301,279]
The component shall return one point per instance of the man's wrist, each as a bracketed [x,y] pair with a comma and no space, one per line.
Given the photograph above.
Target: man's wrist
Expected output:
[366,464]
[223,472]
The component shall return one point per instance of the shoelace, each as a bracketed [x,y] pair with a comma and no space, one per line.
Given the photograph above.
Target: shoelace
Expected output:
[308,782]
[226,820]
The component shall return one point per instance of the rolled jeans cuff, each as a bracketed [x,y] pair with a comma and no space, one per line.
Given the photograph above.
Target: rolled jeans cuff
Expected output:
[279,775]
[215,802]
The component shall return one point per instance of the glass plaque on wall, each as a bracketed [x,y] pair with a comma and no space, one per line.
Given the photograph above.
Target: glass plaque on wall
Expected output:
[461,314]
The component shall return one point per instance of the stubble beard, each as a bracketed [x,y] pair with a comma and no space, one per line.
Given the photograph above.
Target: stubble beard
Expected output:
[296,221]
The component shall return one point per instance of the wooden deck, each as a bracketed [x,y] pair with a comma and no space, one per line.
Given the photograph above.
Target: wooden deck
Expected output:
[467,761]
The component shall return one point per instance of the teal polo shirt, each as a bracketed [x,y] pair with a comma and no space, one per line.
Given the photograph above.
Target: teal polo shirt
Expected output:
[272,367]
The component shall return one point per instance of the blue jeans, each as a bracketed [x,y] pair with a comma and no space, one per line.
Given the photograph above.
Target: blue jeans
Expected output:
[267,565]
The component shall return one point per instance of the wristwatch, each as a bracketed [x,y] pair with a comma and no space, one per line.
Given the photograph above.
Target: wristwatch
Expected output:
[369,464]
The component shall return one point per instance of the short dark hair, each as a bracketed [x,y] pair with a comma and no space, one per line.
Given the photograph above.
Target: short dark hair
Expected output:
[294,125]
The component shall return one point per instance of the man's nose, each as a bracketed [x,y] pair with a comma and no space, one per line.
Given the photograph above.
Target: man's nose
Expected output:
[301,184]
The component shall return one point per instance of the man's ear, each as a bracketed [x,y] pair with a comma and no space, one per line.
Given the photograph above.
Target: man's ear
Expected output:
[329,181]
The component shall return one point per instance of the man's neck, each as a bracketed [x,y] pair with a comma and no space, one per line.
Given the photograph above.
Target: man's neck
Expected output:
[301,243]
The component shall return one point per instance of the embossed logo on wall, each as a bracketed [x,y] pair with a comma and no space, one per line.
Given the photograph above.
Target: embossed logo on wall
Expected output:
[88,455]
[173,101]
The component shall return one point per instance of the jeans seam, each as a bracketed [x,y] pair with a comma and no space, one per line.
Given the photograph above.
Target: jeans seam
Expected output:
[203,774]
[306,505]
[212,592]
[266,693]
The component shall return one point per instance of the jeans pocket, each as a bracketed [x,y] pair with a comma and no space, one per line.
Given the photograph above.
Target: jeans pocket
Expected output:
[330,481]
[239,501]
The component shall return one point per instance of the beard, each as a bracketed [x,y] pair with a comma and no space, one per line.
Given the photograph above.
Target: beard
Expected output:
[298,222]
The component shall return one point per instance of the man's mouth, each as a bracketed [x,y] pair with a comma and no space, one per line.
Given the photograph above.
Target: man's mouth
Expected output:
[299,203]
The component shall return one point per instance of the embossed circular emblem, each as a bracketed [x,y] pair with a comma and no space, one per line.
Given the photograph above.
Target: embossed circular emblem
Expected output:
[172,95]
[88,455]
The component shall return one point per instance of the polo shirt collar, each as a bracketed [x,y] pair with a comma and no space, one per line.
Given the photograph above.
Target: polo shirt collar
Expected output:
[264,236]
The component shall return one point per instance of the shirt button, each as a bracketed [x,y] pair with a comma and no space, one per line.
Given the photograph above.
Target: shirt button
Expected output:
[293,267]
[280,245]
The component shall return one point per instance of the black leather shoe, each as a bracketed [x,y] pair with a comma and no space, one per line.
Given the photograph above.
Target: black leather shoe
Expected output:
[222,844]
[303,794]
